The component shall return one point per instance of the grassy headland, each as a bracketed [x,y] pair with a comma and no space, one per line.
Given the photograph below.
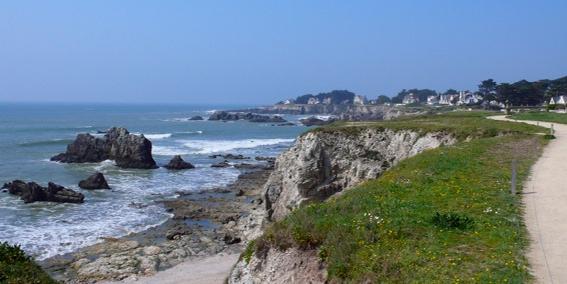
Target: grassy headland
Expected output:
[445,215]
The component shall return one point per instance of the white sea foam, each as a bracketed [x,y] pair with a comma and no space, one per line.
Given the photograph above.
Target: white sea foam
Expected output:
[156,136]
[104,165]
[213,146]
[170,150]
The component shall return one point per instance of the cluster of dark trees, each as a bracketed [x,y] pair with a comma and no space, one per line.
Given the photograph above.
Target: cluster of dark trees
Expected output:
[523,93]
[336,97]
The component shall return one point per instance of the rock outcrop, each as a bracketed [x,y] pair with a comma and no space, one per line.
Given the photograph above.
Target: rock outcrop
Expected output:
[196,117]
[32,192]
[322,163]
[252,117]
[177,163]
[274,266]
[127,150]
[95,181]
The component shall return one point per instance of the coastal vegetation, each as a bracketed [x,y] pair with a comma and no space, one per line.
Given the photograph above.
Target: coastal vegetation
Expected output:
[17,267]
[440,216]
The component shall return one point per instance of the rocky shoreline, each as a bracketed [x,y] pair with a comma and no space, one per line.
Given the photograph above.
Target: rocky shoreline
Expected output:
[204,223]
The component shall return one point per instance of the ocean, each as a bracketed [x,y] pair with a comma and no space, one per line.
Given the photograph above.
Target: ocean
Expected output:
[31,133]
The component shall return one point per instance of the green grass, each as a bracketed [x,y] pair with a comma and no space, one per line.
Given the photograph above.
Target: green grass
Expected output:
[445,215]
[542,116]
[17,267]
[462,124]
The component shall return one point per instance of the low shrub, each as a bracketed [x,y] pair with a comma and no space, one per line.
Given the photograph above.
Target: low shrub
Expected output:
[452,221]
[16,267]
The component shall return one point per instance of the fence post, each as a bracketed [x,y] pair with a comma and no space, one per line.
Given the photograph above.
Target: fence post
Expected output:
[513,182]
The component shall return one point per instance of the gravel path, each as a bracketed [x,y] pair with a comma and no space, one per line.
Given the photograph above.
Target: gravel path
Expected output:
[545,200]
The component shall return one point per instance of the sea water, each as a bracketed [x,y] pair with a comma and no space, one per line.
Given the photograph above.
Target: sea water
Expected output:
[32,133]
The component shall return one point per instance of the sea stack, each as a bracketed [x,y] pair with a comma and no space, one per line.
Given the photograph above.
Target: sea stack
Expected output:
[177,163]
[127,150]
[95,181]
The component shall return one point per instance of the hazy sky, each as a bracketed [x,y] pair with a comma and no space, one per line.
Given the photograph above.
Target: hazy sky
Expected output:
[264,51]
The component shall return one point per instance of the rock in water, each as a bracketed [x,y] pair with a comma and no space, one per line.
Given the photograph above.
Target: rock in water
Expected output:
[127,150]
[31,192]
[95,181]
[223,164]
[197,117]
[177,163]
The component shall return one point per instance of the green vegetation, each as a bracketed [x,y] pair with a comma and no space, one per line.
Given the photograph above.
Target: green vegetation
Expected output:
[462,124]
[17,267]
[542,116]
[443,216]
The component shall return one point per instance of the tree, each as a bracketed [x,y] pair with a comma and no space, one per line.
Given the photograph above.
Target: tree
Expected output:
[383,99]
[487,89]
[451,92]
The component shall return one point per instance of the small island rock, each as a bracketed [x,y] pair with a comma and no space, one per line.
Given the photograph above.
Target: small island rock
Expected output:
[95,181]
[177,163]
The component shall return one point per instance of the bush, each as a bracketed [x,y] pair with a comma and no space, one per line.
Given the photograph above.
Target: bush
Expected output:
[452,221]
[17,267]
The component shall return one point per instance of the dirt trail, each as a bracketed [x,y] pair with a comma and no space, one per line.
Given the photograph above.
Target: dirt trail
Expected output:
[545,200]
[210,270]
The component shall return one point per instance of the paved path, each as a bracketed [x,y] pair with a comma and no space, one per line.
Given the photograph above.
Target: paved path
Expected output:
[208,270]
[545,199]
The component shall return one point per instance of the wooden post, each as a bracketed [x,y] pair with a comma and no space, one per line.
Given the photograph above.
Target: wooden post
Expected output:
[513,182]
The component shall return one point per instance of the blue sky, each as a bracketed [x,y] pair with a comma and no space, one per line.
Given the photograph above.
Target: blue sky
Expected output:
[258,52]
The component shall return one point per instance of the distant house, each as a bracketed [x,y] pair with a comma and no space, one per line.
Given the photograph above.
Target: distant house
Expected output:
[359,100]
[410,98]
[558,100]
[451,99]
[313,101]
[432,100]
[286,102]
[468,98]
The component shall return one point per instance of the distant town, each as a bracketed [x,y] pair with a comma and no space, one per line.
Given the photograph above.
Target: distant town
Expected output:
[489,94]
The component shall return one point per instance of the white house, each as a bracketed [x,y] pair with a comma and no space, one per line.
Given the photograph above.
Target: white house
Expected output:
[448,99]
[410,98]
[432,100]
[313,101]
[359,100]
[558,100]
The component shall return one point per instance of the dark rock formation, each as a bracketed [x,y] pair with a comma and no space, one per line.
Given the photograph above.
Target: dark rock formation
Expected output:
[32,192]
[223,164]
[177,163]
[95,181]
[230,239]
[252,117]
[229,157]
[177,231]
[127,150]
[285,124]
[313,121]
[196,117]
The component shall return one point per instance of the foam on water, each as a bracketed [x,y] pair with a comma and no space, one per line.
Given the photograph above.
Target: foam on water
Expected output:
[38,227]
[155,136]
[213,146]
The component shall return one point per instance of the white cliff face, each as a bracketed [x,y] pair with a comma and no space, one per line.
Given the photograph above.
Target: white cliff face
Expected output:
[290,266]
[321,163]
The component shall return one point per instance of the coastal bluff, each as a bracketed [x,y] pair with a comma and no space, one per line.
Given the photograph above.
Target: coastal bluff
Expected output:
[323,163]
[126,149]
